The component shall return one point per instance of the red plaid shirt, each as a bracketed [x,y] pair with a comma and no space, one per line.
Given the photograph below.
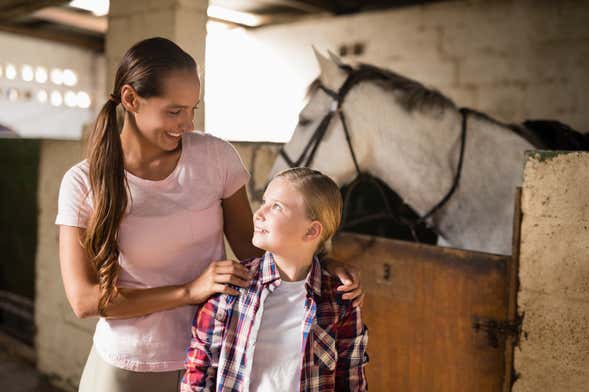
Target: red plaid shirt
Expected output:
[334,337]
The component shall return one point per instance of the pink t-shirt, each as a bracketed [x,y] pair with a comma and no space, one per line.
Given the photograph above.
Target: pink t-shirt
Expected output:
[172,231]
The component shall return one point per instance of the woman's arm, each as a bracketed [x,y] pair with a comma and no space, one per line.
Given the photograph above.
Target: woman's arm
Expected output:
[81,284]
[238,224]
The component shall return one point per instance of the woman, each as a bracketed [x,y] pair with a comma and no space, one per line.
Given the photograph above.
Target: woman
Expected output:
[142,222]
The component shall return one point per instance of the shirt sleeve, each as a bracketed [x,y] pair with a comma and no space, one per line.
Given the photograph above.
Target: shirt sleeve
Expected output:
[73,206]
[351,341]
[202,356]
[234,174]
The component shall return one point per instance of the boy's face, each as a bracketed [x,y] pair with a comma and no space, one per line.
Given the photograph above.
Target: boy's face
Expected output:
[281,225]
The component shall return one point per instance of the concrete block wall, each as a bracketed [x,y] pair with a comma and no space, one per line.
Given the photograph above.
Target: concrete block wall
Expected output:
[554,274]
[59,122]
[513,59]
[63,341]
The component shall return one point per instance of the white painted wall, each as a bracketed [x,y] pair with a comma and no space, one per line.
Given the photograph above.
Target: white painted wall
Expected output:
[31,118]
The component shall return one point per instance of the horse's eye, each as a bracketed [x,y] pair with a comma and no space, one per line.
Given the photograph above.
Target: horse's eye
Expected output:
[304,121]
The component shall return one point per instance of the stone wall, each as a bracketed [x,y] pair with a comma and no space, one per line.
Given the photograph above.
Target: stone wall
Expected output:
[554,274]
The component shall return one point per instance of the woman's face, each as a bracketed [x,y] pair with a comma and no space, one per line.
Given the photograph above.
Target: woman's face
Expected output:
[281,224]
[162,120]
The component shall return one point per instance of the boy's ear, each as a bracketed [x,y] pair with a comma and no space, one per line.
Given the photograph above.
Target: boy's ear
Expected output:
[314,231]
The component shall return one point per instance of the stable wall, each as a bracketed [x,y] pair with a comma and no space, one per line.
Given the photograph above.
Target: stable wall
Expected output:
[514,60]
[554,274]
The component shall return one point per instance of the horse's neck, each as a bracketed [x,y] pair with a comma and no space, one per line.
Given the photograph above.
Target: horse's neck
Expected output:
[412,152]
[417,155]
[480,215]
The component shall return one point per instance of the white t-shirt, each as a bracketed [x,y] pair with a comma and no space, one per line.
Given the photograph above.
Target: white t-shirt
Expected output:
[173,229]
[278,354]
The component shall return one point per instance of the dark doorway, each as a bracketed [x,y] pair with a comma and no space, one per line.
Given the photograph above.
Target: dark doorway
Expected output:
[19,169]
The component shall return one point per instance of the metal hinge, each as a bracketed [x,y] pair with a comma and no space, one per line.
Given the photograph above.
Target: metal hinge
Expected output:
[498,330]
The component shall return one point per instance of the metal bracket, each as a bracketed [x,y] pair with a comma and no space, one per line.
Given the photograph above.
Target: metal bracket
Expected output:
[499,330]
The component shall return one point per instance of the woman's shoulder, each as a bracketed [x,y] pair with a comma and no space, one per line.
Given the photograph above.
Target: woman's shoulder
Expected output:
[78,173]
[203,139]
[203,144]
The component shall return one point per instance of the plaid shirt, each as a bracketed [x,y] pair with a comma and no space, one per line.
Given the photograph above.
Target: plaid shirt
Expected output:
[334,337]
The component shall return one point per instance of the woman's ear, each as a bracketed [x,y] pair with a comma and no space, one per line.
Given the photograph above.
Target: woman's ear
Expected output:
[129,98]
[314,231]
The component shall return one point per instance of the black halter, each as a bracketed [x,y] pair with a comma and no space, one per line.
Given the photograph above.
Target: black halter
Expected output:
[308,153]
[355,76]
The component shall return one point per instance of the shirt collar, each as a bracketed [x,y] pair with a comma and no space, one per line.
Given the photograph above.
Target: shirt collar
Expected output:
[269,273]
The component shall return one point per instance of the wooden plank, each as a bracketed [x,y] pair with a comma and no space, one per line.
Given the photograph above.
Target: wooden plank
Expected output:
[420,308]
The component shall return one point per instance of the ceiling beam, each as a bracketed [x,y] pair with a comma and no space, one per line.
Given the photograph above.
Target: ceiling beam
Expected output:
[15,9]
[310,6]
[89,22]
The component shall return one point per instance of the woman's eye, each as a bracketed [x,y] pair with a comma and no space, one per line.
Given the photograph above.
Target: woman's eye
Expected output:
[175,113]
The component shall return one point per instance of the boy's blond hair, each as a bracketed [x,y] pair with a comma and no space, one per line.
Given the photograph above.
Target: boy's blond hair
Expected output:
[323,200]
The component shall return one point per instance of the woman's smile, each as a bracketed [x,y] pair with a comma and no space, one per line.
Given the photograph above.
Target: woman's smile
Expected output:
[176,135]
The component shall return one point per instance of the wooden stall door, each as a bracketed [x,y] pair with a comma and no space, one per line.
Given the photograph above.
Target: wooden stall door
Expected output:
[432,314]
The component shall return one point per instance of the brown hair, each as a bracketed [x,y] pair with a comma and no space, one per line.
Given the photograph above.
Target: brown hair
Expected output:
[323,200]
[144,66]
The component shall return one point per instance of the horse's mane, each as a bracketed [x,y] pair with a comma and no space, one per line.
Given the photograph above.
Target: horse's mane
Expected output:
[410,94]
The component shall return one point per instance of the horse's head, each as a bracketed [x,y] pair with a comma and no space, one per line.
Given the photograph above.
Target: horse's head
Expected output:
[332,156]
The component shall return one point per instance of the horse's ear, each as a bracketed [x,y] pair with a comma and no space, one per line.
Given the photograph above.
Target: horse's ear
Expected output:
[331,75]
[321,59]
[335,58]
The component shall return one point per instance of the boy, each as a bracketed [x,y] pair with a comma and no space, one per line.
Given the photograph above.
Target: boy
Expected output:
[289,330]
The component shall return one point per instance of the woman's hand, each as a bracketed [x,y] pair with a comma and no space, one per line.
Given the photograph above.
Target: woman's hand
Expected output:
[218,278]
[350,278]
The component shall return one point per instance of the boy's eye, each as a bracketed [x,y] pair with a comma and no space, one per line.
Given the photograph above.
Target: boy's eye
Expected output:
[276,206]
[175,113]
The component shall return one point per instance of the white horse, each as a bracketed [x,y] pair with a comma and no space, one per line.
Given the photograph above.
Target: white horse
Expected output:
[410,137]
